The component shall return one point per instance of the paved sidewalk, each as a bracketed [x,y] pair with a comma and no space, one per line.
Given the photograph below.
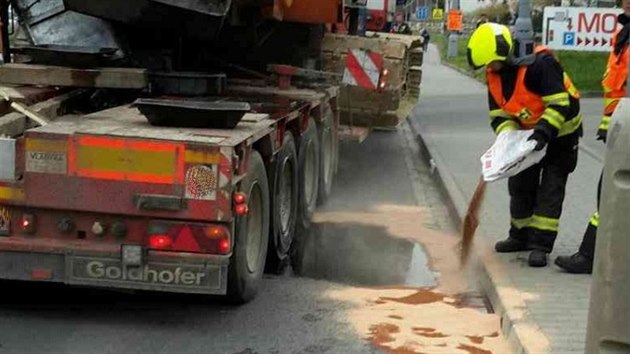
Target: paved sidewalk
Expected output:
[543,310]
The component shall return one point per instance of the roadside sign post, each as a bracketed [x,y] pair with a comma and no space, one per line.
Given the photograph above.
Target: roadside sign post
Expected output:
[455,25]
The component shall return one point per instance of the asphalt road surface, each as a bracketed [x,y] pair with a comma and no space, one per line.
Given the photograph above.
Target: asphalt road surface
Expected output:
[365,285]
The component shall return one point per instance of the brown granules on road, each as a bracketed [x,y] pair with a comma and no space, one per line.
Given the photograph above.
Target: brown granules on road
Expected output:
[430,334]
[394,315]
[475,339]
[419,298]
[382,333]
[473,350]
[471,221]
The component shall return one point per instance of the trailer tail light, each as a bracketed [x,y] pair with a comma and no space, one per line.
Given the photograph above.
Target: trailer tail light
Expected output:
[160,242]
[192,238]
[240,203]
[239,198]
[241,209]
[27,223]
[220,238]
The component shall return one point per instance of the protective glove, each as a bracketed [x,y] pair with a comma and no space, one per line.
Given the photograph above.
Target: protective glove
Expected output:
[540,138]
[602,135]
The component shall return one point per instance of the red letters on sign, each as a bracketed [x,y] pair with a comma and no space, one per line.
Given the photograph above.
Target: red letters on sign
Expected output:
[604,23]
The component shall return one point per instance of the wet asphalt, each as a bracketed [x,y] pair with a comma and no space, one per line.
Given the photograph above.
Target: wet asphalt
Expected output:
[291,314]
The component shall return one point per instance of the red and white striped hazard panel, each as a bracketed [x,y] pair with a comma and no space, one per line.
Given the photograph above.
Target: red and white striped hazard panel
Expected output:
[363,69]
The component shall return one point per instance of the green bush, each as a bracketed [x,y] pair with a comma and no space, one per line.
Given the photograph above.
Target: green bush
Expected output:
[585,68]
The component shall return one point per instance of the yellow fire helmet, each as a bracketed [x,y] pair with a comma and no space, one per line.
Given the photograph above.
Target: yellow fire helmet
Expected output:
[489,42]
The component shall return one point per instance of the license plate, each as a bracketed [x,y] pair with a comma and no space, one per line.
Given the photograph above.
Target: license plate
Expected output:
[5,221]
[178,277]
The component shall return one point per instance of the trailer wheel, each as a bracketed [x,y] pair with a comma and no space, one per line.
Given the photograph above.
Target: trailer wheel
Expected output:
[284,205]
[308,163]
[251,235]
[328,149]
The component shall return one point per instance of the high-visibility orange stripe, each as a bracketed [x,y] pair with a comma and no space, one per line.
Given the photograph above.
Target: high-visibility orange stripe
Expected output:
[123,176]
[97,141]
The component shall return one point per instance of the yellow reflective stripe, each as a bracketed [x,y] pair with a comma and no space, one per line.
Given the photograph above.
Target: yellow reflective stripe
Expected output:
[202,157]
[544,223]
[570,126]
[609,101]
[13,194]
[559,99]
[570,87]
[506,126]
[595,219]
[553,117]
[521,223]
[604,123]
[495,113]
[573,91]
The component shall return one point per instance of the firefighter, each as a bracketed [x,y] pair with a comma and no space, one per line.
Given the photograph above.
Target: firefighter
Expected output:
[532,92]
[614,84]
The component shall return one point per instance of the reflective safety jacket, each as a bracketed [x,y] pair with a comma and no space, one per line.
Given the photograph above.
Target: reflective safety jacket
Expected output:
[614,83]
[537,95]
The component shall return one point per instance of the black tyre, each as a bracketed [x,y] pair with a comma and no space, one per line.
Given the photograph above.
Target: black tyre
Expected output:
[308,163]
[251,235]
[284,205]
[328,151]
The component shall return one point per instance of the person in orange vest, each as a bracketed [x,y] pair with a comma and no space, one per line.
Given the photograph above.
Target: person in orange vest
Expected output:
[533,93]
[614,84]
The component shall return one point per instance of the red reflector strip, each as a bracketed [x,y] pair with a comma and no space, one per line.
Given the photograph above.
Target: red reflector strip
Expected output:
[186,241]
[97,141]
[123,176]
[41,274]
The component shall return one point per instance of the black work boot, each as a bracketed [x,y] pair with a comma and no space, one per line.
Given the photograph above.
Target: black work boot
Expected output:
[576,263]
[537,258]
[516,241]
[511,244]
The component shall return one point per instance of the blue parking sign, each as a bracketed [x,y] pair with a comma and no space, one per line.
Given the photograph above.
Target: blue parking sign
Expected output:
[568,38]
[422,12]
